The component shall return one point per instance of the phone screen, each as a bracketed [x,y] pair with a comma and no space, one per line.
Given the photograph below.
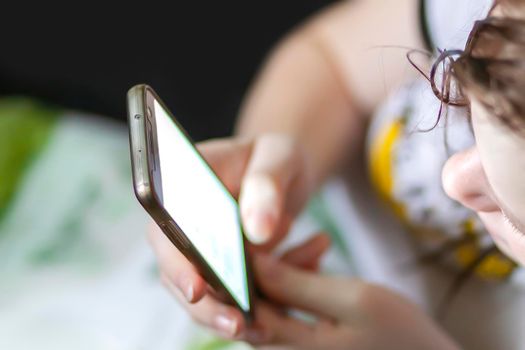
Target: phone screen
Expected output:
[201,206]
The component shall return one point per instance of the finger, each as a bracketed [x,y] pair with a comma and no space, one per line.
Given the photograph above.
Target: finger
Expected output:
[296,334]
[308,254]
[176,267]
[228,159]
[292,287]
[273,165]
[209,312]
[280,328]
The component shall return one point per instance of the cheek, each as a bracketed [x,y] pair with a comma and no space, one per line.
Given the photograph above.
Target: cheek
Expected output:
[510,242]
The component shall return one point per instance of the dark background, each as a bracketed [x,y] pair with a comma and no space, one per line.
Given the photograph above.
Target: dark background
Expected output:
[199,56]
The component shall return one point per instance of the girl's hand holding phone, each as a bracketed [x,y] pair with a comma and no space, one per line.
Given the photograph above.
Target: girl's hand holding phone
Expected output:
[349,313]
[271,178]
[269,175]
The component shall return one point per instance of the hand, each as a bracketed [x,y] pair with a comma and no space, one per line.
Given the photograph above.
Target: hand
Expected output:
[207,310]
[271,176]
[350,314]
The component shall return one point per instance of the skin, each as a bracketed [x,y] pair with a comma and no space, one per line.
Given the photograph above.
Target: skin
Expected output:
[299,121]
[304,115]
[350,314]
[482,179]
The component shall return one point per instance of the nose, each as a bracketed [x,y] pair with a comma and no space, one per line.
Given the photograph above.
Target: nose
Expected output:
[464,180]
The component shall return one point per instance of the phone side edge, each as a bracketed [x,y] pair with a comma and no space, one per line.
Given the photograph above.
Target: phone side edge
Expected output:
[138,145]
[144,188]
[250,313]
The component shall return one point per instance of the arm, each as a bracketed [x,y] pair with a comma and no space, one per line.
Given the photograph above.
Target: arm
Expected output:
[324,78]
[304,114]
[348,313]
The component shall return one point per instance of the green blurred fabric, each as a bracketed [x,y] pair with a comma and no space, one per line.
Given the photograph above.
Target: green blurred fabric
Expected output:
[25,127]
[76,271]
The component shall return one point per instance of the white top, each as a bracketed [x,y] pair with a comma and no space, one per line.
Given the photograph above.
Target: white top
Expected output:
[450,21]
[484,315]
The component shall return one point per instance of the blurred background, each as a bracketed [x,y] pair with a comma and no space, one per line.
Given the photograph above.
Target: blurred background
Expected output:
[199,56]
[76,271]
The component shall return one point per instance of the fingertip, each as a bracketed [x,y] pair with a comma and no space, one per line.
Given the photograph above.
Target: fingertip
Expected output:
[195,290]
[240,322]
[191,285]
[229,322]
[319,245]
[324,240]
[259,202]
[259,226]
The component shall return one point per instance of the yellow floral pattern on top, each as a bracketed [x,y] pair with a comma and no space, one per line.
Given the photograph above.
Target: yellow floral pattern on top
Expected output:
[399,158]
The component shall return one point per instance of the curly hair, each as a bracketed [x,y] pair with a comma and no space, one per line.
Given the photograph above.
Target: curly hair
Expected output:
[491,69]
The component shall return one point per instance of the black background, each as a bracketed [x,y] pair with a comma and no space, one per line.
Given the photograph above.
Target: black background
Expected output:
[199,56]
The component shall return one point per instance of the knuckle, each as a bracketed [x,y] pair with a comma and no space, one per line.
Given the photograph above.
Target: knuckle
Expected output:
[375,300]
[359,293]
[285,143]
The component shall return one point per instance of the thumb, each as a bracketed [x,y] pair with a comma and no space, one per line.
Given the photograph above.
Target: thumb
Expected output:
[273,165]
[228,158]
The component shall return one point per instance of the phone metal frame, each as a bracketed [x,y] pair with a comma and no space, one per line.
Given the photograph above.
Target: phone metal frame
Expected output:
[147,184]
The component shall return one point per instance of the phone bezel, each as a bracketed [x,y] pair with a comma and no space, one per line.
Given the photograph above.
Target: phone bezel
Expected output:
[147,183]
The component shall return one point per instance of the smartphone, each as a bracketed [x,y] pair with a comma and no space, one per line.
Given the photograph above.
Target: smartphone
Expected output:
[180,191]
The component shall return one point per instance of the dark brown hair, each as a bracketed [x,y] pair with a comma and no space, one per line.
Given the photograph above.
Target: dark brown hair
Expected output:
[491,68]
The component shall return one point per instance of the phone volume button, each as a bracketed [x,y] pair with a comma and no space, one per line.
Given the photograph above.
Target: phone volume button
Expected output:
[179,237]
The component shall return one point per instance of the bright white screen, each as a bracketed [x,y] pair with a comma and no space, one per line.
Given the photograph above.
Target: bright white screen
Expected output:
[201,206]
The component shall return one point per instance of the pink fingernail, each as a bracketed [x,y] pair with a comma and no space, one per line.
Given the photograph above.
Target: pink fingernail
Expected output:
[259,225]
[226,325]
[188,293]
[259,204]
[186,287]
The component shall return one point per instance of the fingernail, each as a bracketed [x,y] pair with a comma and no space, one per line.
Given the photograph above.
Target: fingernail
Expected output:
[226,325]
[188,293]
[186,287]
[259,208]
[259,226]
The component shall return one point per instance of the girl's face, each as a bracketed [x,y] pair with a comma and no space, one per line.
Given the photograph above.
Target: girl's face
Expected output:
[489,178]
